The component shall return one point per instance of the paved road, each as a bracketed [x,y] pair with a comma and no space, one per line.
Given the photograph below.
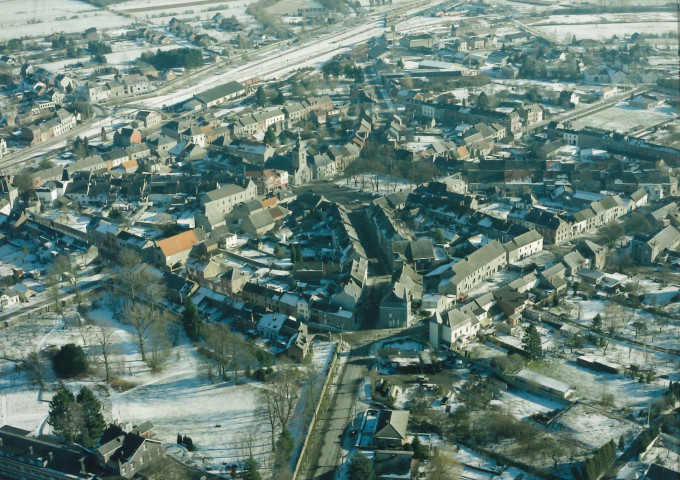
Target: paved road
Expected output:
[328,440]
[331,427]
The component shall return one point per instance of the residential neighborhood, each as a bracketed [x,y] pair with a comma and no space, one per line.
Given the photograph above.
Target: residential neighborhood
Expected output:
[368,240]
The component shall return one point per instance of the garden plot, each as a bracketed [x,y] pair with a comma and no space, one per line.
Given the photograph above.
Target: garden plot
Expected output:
[593,427]
[623,118]
[604,31]
[617,390]
[15,257]
[36,18]
[159,12]
[522,404]
[657,330]
[470,459]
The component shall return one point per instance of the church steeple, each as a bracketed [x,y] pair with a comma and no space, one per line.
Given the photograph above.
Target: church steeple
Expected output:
[299,154]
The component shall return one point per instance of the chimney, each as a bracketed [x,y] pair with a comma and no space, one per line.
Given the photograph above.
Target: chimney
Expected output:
[30,449]
[82,466]
[50,455]
[115,422]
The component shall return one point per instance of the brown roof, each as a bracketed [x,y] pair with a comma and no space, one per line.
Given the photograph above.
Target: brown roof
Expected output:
[178,243]
[270,202]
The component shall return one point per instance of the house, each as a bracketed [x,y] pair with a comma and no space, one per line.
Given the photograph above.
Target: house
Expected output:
[568,96]
[470,272]
[176,249]
[647,248]
[232,281]
[8,298]
[391,428]
[129,136]
[523,245]
[531,114]
[269,325]
[259,222]
[395,307]
[127,450]
[574,261]
[453,329]
[638,198]
[223,199]
[148,118]
[596,254]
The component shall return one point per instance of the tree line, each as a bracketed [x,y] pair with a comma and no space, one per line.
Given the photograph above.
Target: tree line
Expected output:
[177,58]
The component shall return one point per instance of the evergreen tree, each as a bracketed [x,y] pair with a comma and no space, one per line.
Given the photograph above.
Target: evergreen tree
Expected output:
[191,320]
[532,343]
[64,416]
[270,136]
[418,448]
[250,470]
[103,134]
[93,420]
[69,361]
[179,439]
[483,101]
[597,323]
[260,97]
[361,468]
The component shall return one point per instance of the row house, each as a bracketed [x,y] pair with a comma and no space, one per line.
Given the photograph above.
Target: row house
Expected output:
[267,180]
[134,84]
[523,246]
[477,267]
[62,122]
[225,198]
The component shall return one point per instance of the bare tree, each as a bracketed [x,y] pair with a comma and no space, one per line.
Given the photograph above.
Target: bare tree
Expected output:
[613,315]
[266,400]
[139,316]
[54,288]
[159,341]
[154,290]
[443,467]
[230,351]
[103,338]
[286,387]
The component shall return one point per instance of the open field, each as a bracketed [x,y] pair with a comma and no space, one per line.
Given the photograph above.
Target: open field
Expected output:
[604,31]
[33,18]
[622,118]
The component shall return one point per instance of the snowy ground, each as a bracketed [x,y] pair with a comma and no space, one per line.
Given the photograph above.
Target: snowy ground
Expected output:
[522,404]
[623,118]
[39,18]
[593,427]
[367,183]
[180,399]
[593,386]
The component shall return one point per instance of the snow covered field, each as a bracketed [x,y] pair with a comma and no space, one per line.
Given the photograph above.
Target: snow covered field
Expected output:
[594,427]
[623,118]
[604,31]
[39,17]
